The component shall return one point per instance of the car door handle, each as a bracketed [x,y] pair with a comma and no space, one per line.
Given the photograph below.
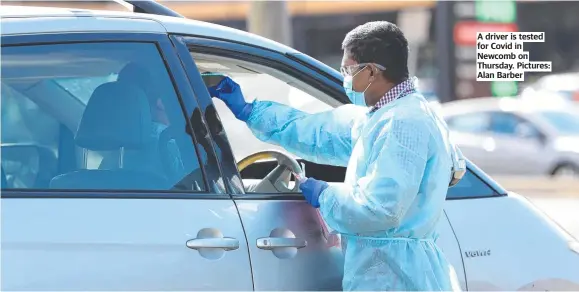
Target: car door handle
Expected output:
[269,243]
[226,243]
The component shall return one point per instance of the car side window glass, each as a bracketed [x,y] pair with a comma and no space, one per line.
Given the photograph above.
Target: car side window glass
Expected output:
[89,116]
[29,139]
[256,82]
[470,186]
[469,123]
[504,123]
[263,83]
[509,124]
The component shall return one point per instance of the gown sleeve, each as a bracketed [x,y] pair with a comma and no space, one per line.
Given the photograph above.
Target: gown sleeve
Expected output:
[324,138]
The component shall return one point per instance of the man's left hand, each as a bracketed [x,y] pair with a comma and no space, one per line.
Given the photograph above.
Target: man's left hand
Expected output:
[312,188]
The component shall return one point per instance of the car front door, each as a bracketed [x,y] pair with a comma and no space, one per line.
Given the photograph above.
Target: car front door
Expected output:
[133,201]
[288,246]
[319,265]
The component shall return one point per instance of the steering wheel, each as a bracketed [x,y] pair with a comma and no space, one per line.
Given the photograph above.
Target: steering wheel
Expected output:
[278,179]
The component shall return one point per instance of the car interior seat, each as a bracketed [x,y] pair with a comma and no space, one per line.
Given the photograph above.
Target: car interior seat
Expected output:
[117,119]
[139,76]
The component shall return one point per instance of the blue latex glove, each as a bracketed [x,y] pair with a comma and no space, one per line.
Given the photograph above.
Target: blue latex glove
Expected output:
[230,93]
[312,188]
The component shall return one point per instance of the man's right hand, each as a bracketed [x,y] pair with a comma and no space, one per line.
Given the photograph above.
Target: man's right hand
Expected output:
[230,93]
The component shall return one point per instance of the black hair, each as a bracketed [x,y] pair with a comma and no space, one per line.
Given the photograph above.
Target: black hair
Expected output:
[379,42]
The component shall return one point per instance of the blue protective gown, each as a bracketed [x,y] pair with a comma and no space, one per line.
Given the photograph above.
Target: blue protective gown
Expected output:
[398,169]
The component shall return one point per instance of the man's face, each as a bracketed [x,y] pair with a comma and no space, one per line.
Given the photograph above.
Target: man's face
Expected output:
[360,73]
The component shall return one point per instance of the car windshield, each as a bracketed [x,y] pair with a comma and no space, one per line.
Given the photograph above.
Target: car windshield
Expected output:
[566,123]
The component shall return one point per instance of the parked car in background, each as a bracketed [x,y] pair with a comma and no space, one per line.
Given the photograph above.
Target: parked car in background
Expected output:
[121,173]
[516,137]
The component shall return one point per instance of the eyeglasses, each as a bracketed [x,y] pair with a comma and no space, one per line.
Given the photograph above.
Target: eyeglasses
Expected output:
[353,69]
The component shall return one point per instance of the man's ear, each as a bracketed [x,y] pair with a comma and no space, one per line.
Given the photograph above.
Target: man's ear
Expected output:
[372,73]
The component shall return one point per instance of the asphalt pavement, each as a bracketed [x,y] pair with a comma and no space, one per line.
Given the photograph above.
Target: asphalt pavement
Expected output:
[563,209]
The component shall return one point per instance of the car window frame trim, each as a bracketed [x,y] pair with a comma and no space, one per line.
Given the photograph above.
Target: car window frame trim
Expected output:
[170,60]
[205,103]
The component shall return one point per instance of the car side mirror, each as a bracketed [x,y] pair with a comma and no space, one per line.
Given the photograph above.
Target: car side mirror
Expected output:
[541,138]
[457,172]
[527,131]
[458,169]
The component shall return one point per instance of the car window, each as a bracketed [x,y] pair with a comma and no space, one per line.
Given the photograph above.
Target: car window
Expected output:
[24,123]
[93,116]
[504,123]
[509,124]
[566,123]
[469,123]
[260,83]
[263,83]
[470,186]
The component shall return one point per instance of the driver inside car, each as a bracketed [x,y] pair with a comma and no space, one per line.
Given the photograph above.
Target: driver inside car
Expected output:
[139,76]
[399,161]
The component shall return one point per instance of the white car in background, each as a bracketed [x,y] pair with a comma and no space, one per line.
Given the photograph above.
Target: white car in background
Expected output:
[511,136]
[72,222]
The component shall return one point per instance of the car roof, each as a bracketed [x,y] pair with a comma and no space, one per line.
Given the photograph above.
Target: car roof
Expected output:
[506,104]
[17,20]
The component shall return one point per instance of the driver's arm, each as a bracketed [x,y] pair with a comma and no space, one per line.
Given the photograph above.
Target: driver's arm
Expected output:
[325,138]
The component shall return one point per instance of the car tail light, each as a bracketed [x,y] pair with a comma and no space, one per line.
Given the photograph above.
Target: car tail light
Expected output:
[575,96]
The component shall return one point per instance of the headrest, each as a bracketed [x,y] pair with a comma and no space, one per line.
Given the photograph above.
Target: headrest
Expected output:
[117,115]
[138,75]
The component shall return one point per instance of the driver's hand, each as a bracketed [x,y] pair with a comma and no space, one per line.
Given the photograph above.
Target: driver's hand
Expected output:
[230,93]
[312,188]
